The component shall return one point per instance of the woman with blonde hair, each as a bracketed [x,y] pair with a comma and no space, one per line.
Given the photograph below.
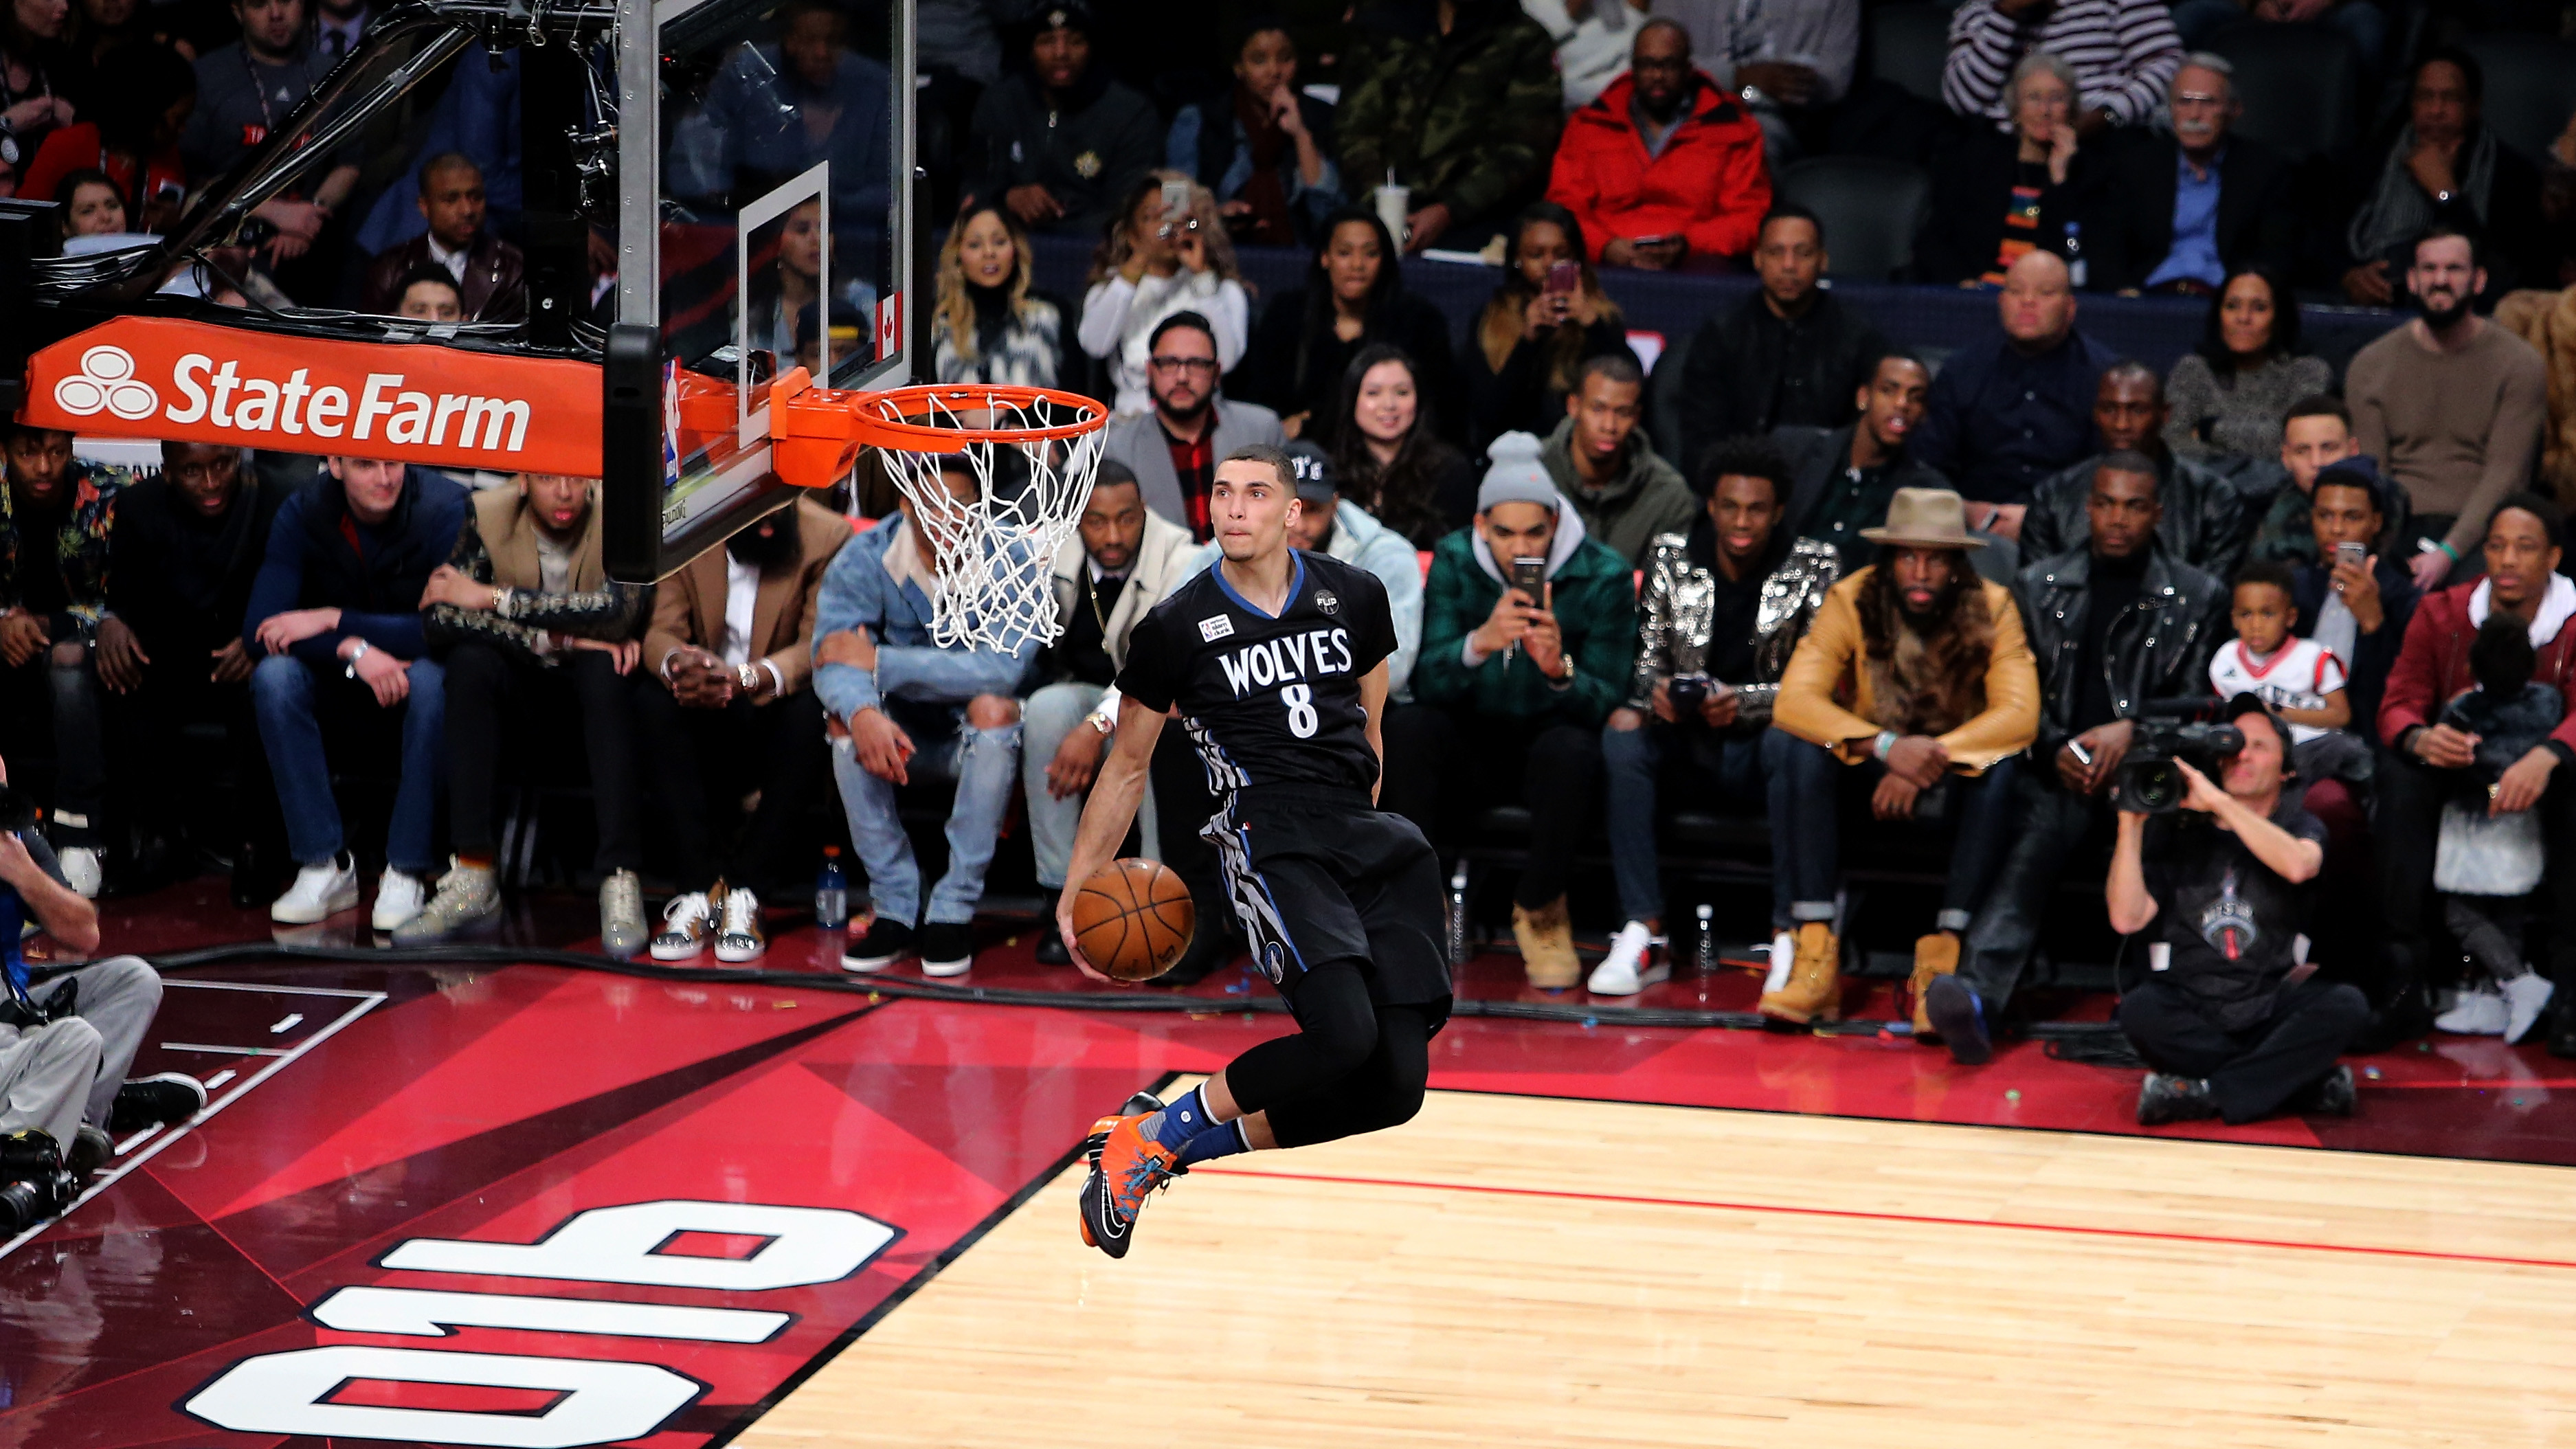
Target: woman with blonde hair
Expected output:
[1159,259]
[1533,336]
[987,326]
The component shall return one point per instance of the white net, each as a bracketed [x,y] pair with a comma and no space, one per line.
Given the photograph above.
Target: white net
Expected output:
[996,551]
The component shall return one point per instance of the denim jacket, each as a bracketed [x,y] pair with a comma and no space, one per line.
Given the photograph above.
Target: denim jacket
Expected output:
[858,593]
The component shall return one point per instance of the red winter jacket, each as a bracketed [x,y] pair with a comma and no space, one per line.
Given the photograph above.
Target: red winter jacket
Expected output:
[1708,186]
[2433,666]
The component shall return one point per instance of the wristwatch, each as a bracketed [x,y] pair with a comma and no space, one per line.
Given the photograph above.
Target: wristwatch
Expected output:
[1100,722]
[747,675]
[1885,742]
[351,672]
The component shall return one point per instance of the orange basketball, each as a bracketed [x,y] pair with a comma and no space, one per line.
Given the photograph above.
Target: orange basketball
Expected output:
[1133,919]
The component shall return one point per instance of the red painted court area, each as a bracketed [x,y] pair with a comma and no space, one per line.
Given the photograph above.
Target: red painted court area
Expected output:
[529,1204]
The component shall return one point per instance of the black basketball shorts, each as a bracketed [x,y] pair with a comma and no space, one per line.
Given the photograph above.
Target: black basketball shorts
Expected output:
[1319,874]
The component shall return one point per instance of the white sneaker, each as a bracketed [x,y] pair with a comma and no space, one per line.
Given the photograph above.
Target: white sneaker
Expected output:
[2477,1013]
[81,869]
[399,897]
[321,890]
[738,936]
[1784,954]
[1632,964]
[686,923]
[2525,998]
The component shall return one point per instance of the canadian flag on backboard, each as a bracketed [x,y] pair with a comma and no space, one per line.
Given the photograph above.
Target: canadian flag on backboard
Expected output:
[889,325]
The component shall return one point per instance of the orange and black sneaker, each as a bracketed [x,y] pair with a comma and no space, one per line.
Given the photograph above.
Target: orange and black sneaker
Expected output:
[1132,1165]
[1142,1104]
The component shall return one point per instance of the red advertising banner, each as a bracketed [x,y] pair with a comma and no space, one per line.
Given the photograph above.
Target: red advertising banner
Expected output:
[410,402]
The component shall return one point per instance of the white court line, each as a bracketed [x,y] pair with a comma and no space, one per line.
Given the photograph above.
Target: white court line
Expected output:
[219,1078]
[366,1001]
[341,991]
[286,1023]
[229,1051]
[139,1138]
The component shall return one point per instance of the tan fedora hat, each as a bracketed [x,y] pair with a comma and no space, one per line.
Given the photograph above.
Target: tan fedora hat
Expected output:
[1925,518]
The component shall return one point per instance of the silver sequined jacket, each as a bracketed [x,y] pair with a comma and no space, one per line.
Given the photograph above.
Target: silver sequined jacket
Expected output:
[1680,598]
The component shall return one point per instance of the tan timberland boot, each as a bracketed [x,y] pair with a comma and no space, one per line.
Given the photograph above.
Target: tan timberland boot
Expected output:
[1934,955]
[1547,945]
[1814,989]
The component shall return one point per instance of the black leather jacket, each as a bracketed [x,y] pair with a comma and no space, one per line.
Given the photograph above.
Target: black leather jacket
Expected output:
[2204,521]
[2158,648]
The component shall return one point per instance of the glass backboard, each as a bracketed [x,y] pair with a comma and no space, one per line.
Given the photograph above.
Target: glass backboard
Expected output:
[765,162]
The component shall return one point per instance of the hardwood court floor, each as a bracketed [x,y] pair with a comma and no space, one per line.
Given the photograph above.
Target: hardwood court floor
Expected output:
[1524,1271]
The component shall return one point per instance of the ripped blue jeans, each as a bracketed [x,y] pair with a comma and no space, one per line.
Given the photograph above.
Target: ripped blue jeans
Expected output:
[986,766]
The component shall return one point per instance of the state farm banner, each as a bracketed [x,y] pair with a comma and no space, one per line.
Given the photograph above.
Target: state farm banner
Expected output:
[411,402]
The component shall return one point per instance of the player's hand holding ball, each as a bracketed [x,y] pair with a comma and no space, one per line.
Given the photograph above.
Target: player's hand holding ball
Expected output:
[1134,917]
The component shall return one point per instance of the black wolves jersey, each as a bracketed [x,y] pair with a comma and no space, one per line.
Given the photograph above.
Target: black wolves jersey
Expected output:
[1268,701]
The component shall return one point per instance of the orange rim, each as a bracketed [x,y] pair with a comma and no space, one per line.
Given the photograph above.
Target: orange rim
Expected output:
[872,425]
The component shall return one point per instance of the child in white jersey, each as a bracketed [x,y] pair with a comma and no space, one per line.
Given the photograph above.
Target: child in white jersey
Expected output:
[2300,679]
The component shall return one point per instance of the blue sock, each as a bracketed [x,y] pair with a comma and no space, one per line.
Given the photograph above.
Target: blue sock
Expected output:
[1222,1140]
[1184,1118]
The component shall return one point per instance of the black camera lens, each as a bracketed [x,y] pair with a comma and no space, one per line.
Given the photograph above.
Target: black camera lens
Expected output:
[23,1205]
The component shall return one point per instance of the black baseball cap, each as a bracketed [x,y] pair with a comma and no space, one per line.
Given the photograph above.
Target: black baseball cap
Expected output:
[1313,469]
[2246,702]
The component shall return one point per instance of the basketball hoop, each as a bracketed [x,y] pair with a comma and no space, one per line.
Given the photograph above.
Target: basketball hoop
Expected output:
[1032,452]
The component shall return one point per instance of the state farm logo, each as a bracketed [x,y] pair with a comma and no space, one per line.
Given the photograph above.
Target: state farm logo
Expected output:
[106,382]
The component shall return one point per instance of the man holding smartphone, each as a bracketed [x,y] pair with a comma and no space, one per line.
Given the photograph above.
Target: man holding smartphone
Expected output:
[2357,602]
[1528,627]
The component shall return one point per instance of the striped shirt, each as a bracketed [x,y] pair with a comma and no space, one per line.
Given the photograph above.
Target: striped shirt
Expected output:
[2124,52]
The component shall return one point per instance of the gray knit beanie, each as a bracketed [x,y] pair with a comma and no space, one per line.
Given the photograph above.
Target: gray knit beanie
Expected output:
[1515,476]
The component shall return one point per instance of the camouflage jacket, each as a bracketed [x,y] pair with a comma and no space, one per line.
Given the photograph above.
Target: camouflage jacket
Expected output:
[78,548]
[1468,119]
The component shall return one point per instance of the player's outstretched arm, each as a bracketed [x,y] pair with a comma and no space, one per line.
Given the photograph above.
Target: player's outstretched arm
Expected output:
[1373,701]
[1107,814]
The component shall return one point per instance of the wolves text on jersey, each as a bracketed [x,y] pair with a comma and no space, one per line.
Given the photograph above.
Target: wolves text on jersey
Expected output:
[1288,657]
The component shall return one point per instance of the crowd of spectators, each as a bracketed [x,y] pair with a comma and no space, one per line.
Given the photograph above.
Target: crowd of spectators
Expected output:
[1867,593]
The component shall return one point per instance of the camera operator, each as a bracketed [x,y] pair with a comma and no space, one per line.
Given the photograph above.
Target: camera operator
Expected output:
[2227,1031]
[2113,623]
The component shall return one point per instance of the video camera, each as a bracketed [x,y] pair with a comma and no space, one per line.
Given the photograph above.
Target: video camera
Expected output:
[2169,732]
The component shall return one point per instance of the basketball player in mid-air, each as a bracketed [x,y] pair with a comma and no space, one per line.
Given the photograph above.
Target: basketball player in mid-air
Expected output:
[1275,661]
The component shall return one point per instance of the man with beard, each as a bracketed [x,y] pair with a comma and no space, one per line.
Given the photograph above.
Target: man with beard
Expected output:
[1059,141]
[2204,520]
[726,707]
[180,563]
[1173,449]
[1943,696]
[1664,165]
[523,608]
[2451,404]
[1723,605]
[2008,411]
[1129,560]
[490,274]
[55,520]
[1842,479]
[2113,625]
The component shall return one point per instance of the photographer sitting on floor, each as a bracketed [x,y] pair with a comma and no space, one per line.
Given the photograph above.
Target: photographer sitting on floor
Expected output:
[2227,1031]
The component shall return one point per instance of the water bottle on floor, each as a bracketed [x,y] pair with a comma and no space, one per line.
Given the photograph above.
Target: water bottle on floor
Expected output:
[832,892]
